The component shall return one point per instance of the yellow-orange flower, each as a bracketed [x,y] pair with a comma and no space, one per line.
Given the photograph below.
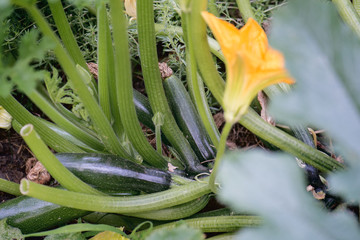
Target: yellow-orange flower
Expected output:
[130,8]
[5,119]
[251,64]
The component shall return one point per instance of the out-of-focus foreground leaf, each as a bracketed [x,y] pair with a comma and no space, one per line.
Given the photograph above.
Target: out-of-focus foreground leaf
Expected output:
[66,236]
[273,186]
[323,55]
[9,233]
[178,233]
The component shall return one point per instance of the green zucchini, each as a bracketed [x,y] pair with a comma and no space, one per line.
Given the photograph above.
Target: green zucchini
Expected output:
[33,215]
[143,109]
[144,112]
[111,173]
[188,119]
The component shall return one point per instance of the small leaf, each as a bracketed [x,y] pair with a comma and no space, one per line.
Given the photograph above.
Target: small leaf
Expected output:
[323,55]
[273,186]
[22,74]
[9,233]
[180,232]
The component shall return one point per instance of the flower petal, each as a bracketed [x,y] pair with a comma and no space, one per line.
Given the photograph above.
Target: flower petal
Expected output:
[251,64]
[225,33]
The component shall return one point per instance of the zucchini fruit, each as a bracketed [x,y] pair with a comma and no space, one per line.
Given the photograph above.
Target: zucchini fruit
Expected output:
[188,119]
[33,215]
[111,173]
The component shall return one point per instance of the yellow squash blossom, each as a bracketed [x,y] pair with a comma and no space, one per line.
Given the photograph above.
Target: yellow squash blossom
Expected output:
[107,235]
[251,64]
[130,8]
[5,119]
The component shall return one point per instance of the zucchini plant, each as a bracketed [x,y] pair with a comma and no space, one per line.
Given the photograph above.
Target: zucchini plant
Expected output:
[109,173]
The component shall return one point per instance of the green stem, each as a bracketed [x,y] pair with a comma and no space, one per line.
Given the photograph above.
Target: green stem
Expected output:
[287,143]
[348,14]
[220,152]
[251,120]
[117,124]
[356,4]
[217,224]
[63,134]
[54,140]
[166,30]
[245,9]
[103,78]
[177,212]
[66,35]
[154,88]
[9,187]
[63,122]
[204,59]
[196,86]
[102,125]
[125,90]
[124,205]
[158,120]
[158,139]
[52,164]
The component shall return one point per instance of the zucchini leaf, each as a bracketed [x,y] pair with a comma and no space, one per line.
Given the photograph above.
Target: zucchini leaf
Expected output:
[9,233]
[180,232]
[273,186]
[65,236]
[323,55]
[22,73]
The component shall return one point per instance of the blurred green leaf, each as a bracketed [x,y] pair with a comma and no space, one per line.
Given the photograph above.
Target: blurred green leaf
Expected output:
[66,236]
[179,233]
[273,186]
[323,55]
[9,233]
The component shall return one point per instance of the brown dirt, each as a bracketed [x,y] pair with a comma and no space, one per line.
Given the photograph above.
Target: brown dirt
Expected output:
[13,156]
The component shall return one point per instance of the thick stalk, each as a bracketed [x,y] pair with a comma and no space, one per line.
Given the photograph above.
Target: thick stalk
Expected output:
[287,143]
[154,88]
[54,140]
[348,14]
[52,164]
[125,90]
[204,59]
[164,30]
[245,9]
[67,136]
[66,35]
[217,224]
[103,77]
[177,212]
[251,120]
[220,152]
[196,86]
[102,125]
[356,4]
[63,122]
[9,187]
[124,205]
